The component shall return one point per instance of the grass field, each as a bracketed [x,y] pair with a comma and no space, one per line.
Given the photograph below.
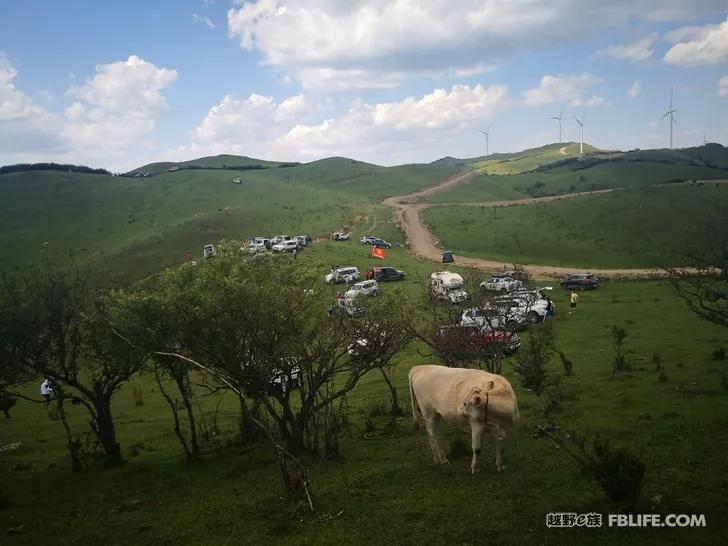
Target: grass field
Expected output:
[530,159]
[136,225]
[560,180]
[384,488]
[650,227]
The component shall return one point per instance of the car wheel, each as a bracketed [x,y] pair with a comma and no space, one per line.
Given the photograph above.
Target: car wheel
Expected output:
[534,317]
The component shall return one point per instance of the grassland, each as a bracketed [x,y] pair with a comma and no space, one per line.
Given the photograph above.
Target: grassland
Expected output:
[385,489]
[135,225]
[528,160]
[649,227]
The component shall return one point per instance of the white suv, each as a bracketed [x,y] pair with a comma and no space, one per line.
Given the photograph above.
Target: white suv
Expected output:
[285,246]
[502,284]
[342,275]
[366,288]
[522,307]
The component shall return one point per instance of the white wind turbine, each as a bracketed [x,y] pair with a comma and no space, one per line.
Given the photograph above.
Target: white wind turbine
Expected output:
[670,112]
[486,133]
[559,117]
[581,133]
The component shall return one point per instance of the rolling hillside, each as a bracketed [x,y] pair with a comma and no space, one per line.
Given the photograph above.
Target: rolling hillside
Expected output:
[223,161]
[639,168]
[645,227]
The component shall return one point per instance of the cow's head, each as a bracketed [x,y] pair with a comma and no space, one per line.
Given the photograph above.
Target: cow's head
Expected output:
[475,405]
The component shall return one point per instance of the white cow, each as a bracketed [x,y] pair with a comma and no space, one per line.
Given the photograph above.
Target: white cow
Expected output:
[460,396]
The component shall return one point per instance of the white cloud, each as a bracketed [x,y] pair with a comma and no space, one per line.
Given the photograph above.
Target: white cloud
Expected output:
[111,115]
[640,50]
[394,39]
[591,102]
[119,105]
[203,19]
[13,103]
[569,88]
[698,46]
[634,90]
[723,87]
[387,132]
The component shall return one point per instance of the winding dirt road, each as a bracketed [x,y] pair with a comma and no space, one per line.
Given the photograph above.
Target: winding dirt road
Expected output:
[423,244]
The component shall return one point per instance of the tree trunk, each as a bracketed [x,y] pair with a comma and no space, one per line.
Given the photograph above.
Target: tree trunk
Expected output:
[183,384]
[72,444]
[396,410]
[105,431]
[173,407]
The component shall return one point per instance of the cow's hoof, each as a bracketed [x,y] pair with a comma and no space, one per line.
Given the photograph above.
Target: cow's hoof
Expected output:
[500,468]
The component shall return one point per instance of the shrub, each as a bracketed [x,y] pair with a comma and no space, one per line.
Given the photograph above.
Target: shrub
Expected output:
[617,471]
[620,362]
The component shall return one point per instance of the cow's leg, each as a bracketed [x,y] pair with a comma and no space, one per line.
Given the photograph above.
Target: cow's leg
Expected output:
[477,429]
[7,414]
[431,423]
[499,435]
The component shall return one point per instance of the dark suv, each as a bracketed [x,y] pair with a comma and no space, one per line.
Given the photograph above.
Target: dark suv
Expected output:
[381,274]
[580,281]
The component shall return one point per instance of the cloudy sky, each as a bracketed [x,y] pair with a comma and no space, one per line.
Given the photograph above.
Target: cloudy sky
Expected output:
[386,81]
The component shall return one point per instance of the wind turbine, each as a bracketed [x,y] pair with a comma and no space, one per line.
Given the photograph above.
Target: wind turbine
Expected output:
[670,112]
[486,133]
[581,133]
[559,117]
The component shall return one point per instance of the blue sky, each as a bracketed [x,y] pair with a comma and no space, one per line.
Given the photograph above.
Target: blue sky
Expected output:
[386,81]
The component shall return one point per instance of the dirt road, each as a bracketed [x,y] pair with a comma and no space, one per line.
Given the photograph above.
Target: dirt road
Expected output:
[423,244]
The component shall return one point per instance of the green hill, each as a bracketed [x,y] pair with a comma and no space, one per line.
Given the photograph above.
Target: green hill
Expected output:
[223,161]
[645,227]
[639,168]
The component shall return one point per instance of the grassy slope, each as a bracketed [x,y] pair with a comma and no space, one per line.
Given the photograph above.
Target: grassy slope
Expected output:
[565,179]
[528,160]
[632,228]
[385,484]
[215,161]
[136,225]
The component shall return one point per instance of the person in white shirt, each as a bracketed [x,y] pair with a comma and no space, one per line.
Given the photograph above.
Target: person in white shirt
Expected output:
[45,390]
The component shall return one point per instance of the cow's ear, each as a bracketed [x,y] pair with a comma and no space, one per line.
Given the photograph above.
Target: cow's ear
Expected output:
[476,400]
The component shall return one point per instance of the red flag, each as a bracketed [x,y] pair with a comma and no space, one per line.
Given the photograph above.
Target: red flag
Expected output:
[377,252]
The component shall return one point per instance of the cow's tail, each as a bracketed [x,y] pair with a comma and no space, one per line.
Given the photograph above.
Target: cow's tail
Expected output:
[413,400]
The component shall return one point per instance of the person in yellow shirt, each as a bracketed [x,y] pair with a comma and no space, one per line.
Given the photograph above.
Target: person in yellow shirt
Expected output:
[574,300]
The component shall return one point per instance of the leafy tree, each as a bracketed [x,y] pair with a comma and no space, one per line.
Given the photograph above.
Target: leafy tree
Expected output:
[54,327]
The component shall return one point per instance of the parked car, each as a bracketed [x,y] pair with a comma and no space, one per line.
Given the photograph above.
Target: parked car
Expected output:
[260,243]
[285,246]
[342,275]
[366,288]
[522,307]
[480,317]
[380,243]
[502,284]
[367,240]
[485,340]
[580,281]
[285,380]
[382,274]
[279,239]
[447,257]
[340,236]
[448,287]
[208,251]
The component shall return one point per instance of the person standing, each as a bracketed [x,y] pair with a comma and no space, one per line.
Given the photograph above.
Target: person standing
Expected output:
[45,391]
[574,301]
